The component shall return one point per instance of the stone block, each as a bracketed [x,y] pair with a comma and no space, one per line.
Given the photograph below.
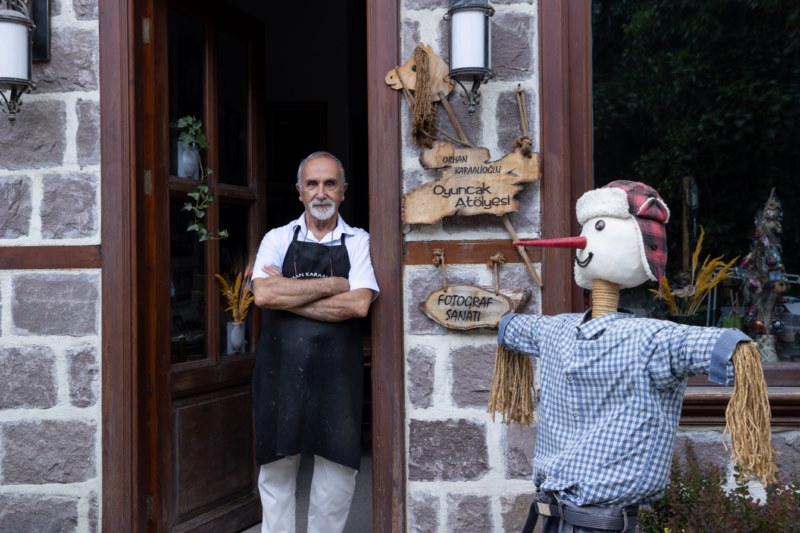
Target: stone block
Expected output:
[28,513]
[88,136]
[420,376]
[69,206]
[472,125]
[15,207]
[447,450]
[788,447]
[520,446]
[48,451]
[94,514]
[85,9]
[55,304]
[37,138]
[410,39]
[74,64]
[514,510]
[513,39]
[423,513]
[473,367]
[422,282]
[27,378]
[423,4]
[707,448]
[509,124]
[469,513]
[84,377]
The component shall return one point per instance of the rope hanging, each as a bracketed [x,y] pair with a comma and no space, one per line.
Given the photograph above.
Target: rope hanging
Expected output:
[523,143]
[512,384]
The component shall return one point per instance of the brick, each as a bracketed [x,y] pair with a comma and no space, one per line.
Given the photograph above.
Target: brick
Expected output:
[84,377]
[447,450]
[520,446]
[55,304]
[423,4]
[85,9]
[74,63]
[36,139]
[420,376]
[15,207]
[88,136]
[94,514]
[469,514]
[707,448]
[514,510]
[473,367]
[27,513]
[512,46]
[69,206]
[423,513]
[27,378]
[49,451]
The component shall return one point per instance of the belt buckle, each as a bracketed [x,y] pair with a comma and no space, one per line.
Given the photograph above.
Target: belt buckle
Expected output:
[543,509]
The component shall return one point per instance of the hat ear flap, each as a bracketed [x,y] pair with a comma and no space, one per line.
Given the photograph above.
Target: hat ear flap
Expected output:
[654,208]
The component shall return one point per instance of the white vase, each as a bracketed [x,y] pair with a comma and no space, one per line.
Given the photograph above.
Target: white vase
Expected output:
[235,337]
[188,161]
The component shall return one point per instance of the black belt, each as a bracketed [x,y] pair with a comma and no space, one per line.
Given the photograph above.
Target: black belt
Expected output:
[583,518]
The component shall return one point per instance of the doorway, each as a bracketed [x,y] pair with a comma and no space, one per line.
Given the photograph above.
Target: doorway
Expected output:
[207,65]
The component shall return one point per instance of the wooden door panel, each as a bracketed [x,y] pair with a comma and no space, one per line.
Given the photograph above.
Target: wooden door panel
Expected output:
[212,450]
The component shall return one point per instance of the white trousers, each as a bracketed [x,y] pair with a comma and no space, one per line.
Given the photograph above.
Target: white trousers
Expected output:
[332,487]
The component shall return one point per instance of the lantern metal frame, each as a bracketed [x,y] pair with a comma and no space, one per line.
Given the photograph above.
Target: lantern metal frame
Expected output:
[478,75]
[16,87]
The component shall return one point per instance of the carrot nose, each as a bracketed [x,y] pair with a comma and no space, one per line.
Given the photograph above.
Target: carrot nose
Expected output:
[563,242]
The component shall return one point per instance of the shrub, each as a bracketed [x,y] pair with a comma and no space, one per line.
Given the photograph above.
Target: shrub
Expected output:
[696,500]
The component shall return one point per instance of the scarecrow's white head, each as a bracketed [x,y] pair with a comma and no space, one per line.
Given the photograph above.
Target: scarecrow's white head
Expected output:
[623,238]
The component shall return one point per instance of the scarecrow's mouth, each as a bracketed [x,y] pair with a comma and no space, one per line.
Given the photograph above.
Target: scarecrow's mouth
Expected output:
[585,262]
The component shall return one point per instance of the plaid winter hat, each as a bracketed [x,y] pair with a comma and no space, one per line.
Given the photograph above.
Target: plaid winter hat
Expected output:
[632,199]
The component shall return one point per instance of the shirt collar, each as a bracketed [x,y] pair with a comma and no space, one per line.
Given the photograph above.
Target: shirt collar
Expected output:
[591,327]
[341,228]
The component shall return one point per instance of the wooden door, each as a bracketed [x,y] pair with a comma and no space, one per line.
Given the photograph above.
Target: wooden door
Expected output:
[203,62]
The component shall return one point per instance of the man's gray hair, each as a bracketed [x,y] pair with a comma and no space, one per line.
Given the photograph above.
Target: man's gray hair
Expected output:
[314,156]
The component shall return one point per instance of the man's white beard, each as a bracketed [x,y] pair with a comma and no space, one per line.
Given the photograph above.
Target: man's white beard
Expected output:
[323,210]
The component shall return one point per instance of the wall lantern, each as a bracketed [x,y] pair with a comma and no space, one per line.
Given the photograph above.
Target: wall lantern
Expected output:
[470,46]
[16,54]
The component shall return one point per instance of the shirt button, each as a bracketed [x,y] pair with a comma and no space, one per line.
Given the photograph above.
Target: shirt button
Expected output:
[575,414]
[569,377]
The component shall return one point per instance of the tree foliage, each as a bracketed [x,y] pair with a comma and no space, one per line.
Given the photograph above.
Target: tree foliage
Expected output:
[706,88]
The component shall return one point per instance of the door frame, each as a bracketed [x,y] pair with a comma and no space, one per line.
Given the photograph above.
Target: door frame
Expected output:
[124,460]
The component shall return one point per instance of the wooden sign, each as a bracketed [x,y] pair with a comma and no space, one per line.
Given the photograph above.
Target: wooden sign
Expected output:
[470,183]
[469,307]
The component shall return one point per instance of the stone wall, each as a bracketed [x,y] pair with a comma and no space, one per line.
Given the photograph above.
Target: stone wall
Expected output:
[465,472]
[50,441]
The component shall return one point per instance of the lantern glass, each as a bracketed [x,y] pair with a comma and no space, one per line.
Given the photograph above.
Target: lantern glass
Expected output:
[15,59]
[469,39]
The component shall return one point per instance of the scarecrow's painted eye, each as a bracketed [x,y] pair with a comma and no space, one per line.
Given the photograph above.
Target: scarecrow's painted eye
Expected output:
[599,225]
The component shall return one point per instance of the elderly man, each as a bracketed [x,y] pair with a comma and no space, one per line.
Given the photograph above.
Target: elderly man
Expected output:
[314,278]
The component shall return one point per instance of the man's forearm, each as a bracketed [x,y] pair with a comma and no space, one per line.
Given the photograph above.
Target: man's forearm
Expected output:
[342,306]
[278,292]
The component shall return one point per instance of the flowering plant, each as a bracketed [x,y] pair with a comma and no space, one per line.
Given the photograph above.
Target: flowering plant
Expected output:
[687,300]
[238,295]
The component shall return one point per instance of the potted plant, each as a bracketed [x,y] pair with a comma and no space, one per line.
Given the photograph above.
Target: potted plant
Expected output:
[684,304]
[193,139]
[238,295]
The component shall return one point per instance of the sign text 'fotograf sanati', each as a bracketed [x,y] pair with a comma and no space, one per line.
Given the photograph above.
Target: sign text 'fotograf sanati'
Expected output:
[467,307]
[470,184]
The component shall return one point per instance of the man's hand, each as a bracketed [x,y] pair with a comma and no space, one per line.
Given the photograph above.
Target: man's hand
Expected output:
[280,292]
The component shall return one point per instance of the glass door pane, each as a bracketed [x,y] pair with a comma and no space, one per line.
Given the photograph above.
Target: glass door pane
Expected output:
[232,83]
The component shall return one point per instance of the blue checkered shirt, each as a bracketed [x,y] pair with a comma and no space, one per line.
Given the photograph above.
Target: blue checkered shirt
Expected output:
[611,394]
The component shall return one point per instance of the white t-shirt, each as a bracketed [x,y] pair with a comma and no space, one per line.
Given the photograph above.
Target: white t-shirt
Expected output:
[275,243]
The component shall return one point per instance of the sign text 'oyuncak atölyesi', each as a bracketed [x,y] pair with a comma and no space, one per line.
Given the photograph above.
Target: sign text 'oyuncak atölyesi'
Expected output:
[470,183]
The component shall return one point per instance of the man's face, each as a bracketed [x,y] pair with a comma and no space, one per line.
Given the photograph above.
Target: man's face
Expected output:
[321,189]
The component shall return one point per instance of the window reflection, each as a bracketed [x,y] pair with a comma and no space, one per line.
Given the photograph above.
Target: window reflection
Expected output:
[233,109]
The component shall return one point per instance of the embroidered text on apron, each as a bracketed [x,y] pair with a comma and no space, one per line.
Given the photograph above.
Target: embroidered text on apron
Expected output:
[308,378]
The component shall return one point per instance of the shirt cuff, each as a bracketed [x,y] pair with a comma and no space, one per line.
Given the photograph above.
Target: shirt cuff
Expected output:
[721,356]
[501,327]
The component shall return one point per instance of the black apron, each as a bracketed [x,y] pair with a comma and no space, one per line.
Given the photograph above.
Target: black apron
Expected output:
[308,378]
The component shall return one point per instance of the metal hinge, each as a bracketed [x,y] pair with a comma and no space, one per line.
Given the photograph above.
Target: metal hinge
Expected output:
[148,183]
[150,507]
[146,30]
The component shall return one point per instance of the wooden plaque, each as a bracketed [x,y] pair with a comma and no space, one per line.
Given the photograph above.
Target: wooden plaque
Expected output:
[469,307]
[470,183]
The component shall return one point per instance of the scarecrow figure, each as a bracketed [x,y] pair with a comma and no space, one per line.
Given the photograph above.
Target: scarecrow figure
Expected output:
[611,384]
